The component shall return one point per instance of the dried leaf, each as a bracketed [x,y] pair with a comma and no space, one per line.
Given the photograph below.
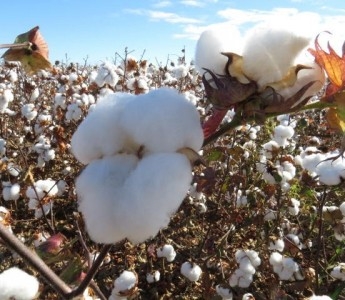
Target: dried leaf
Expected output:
[289,79]
[332,63]
[234,68]
[34,56]
[335,116]
[224,92]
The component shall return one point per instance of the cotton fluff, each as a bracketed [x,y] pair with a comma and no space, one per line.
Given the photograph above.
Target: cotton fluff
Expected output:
[17,284]
[35,194]
[10,191]
[100,134]
[269,53]
[285,267]
[282,133]
[224,292]
[191,271]
[159,121]
[248,261]
[153,276]
[338,272]
[162,121]
[122,192]
[329,171]
[122,284]
[107,75]
[167,251]
[214,40]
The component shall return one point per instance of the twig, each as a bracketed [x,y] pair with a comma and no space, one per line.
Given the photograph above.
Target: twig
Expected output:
[91,273]
[319,239]
[15,45]
[35,261]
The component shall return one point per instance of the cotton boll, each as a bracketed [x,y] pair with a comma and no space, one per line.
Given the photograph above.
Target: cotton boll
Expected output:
[212,42]
[191,271]
[283,132]
[167,251]
[17,284]
[224,292]
[269,53]
[99,190]
[153,199]
[134,204]
[338,272]
[277,245]
[10,191]
[275,258]
[162,121]
[124,285]
[107,75]
[100,134]
[241,279]
[153,276]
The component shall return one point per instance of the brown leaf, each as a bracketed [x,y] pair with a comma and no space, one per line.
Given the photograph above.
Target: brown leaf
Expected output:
[224,92]
[332,63]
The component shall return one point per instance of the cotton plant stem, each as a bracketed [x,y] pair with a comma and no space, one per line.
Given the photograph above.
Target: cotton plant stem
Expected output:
[91,272]
[15,45]
[35,261]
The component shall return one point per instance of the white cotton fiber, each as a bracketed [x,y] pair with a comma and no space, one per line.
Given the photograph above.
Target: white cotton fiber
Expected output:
[269,53]
[99,134]
[162,121]
[214,40]
[99,190]
[17,284]
[155,190]
[123,197]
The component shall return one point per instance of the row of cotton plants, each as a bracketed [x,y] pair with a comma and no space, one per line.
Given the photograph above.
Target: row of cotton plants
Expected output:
[113,154]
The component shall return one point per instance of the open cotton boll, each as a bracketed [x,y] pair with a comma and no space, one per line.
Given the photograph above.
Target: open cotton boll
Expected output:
[214,40]
[162,121]
[99,190]
[124,284]
[99,134]
[269,53]
[120,198]
[167,251]
[151,200]
[17,284]
[191,271]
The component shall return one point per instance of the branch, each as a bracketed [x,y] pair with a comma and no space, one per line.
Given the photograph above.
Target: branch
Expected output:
[35,261]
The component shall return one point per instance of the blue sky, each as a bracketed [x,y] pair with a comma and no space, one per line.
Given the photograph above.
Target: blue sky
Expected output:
[96,30]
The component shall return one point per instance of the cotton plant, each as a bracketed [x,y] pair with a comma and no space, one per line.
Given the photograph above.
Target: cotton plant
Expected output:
[327,169]
[44,150]
[17,284]
[248,261]
[153,276]
[285,267]
[122,160]
[29,111]
[124,286]
[338,271]
[224,292]
[41,196]
[191,271]
[167,251]
[107,74]
[271,74]
[10,191]
[6,96]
